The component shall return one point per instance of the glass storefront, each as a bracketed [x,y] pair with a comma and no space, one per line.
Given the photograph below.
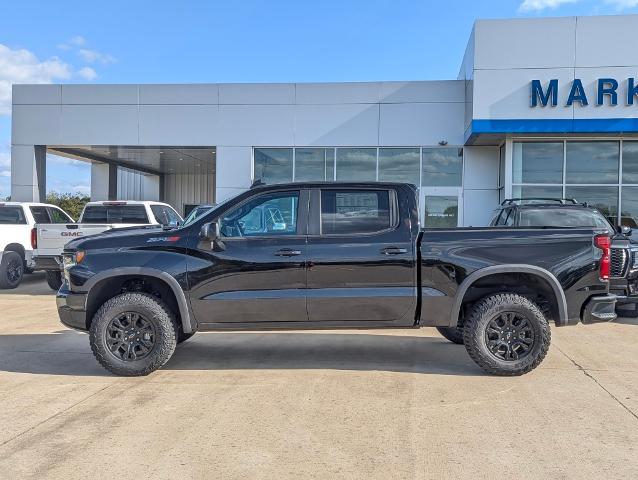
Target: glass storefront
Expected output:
[602,173]
[421,166]
[436,171]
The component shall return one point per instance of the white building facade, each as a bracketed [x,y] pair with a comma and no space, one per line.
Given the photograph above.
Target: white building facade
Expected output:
[541,107]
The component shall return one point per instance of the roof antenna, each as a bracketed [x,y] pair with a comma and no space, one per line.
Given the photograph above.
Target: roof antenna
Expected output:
[258,182]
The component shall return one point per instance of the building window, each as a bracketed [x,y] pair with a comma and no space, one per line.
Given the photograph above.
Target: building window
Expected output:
[537,191]
[630,162]
[538,162]
[357,164]
[273,165]
[423,167]
[604,198]
[441,212]
[592,162]
[629,201]
[442,167]
[594,172]
[399,165]
[314,164]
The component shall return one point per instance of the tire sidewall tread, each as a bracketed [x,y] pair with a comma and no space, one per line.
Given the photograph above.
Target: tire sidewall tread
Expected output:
[155,311]
[4,281]
[484,311]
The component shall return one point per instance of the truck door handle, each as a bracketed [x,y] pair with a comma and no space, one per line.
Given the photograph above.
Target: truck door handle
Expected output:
[393,251]
[287,252]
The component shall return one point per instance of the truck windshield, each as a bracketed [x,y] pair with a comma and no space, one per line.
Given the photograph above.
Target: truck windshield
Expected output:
[562,217]
[12,215]
[115,214]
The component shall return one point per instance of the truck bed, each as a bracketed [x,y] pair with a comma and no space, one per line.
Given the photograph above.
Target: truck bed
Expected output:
[451,259]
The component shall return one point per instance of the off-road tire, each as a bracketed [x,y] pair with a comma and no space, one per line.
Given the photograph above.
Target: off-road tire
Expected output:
[491,307]
[453,334]
[153,310]
[11,270]
[54,279]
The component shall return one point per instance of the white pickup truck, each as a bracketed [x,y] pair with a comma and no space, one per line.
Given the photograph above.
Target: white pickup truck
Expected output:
[17,221]
[97,217]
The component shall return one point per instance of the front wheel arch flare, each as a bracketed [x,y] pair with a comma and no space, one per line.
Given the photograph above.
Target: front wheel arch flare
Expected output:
[109,284]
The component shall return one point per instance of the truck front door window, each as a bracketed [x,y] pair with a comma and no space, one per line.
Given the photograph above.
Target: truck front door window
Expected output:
[265,215]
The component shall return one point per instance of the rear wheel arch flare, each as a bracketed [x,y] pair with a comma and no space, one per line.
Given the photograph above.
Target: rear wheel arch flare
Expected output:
[16,247]
[558,302]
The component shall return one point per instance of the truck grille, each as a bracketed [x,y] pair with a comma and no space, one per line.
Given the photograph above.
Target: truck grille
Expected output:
[619,257]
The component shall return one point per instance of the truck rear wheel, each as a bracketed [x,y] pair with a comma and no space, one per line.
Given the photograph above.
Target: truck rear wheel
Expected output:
[11,270]
[453,334]
[54,279]
[506,334]
[133,334]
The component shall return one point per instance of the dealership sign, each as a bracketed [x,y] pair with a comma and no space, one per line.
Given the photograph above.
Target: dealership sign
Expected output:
[607,91]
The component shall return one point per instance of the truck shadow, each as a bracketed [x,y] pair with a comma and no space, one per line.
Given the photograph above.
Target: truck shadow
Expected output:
[32,284]
[68,353]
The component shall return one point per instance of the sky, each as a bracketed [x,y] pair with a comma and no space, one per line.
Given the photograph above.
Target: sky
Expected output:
[190,41]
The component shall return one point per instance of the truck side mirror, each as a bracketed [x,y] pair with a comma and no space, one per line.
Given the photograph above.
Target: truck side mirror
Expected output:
[210,231]
[624,230]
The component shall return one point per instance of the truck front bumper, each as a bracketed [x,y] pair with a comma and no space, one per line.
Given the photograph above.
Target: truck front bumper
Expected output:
[71,308]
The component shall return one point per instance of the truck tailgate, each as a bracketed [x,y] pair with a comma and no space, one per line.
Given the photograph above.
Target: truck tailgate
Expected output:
[52,237]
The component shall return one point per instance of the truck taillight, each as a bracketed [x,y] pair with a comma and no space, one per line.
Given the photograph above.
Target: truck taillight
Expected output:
[34,238]
[604,243]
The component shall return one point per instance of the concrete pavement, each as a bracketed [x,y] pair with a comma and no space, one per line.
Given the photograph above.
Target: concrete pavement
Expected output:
[338,404]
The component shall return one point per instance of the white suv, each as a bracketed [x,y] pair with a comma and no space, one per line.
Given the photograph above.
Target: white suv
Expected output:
[17,221]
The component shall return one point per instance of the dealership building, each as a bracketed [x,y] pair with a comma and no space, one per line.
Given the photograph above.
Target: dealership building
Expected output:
[543,107]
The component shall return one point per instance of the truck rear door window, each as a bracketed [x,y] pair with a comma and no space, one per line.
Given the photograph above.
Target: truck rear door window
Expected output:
[345,212]
[115,214]
[58,216]
[12,215]
[40,214]
[165,215]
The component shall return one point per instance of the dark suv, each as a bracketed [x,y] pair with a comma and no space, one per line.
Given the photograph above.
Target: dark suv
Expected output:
[553,212]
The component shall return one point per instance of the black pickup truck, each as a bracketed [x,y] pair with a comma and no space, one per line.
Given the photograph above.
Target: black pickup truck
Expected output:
[332,255]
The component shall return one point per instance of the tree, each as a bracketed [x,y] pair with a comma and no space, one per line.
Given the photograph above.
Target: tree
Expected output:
[71,203]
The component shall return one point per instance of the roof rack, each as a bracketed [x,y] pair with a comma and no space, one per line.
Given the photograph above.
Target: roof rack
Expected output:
[519,201]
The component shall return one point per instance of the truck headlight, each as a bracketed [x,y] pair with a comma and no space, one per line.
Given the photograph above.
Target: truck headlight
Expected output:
[70,260]
[634,258]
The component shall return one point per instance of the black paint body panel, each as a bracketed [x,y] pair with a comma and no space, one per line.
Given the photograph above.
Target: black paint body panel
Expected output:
[334,280]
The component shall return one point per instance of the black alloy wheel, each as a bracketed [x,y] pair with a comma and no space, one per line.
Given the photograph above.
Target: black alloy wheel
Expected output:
[130,336]
[15,269]
[509,336]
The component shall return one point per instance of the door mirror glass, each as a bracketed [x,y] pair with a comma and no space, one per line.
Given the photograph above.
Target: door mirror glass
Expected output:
[624,230]
[209,231]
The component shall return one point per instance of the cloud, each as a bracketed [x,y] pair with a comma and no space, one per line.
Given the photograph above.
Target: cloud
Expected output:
[87,73]
[76,41]
[538,5]
[5,163]
[622,4]
[93,56]
[22,66]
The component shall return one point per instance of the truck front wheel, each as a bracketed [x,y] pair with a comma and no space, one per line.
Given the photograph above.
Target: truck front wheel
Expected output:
[54,279]
[133,334]
[506,334]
